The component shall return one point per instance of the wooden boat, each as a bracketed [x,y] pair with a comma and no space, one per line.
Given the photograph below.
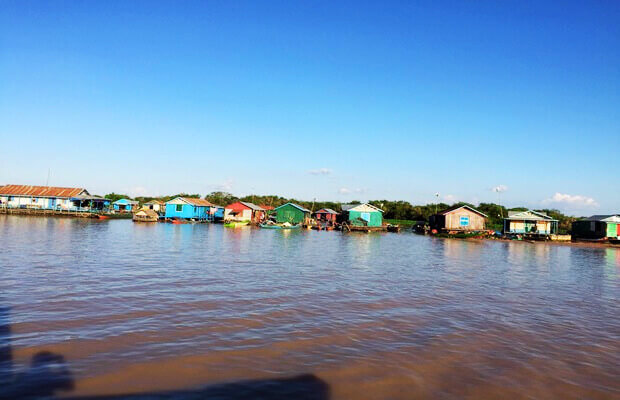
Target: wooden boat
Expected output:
[276,226]
[178,221]
[393,228]
[236,224]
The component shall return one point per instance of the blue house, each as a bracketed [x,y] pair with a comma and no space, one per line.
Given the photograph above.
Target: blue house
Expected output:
[125,205]
[189,208]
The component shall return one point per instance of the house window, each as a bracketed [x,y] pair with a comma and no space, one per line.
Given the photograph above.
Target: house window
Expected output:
[465,221]
[365,216]
[179,207]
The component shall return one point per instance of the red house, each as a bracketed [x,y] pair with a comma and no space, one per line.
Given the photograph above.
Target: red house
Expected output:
[326,215]
[244,211]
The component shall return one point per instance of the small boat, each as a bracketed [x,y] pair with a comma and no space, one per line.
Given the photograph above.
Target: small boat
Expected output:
[276,226]
[178,221]
[99,216]
[236,224]
[393,228]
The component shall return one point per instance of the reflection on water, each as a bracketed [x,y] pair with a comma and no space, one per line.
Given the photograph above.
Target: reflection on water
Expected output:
[112,307]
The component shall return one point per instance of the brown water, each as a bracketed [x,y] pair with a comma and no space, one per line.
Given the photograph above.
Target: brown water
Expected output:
[134,308]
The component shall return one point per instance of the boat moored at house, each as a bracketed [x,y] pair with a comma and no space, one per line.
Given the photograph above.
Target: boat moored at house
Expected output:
[189,208]
[530,224]
[597,228]
[244,211]
[460,218]
[51,199]
[125,205]
[293,214]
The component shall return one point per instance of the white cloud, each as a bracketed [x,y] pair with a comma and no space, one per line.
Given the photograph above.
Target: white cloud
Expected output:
[500,188]
[138,191]
[225,186]
[320,171]
[563,199]
[450,198]
[345,190]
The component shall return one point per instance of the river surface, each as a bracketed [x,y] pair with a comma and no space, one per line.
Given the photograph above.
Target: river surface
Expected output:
[125,308]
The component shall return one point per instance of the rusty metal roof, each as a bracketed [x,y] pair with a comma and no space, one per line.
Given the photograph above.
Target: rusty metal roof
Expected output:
[198,202]
[40,191]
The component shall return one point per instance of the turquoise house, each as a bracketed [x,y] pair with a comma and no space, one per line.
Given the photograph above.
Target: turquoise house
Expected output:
[189,208]
[363,214]
[125,205]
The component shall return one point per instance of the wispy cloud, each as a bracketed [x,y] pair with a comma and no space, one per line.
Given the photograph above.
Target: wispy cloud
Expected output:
[320,171]
[225,186]
[450,198]
[138,191]
[345,190]
[499,188]
[574,201]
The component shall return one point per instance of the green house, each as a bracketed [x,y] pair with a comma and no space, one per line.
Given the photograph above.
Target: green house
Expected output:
[363,214]
[291,213]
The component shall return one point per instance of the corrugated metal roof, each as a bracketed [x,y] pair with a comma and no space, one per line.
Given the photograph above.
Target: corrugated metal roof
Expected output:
[125,201]
[529,215]
[198,202]
[605,218]
[326,211]
[40,191]
[454,208]
[349,207]
[154,202]
[252,206]
[296,206]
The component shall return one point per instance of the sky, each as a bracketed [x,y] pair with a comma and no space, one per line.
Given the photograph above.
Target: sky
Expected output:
[485,101]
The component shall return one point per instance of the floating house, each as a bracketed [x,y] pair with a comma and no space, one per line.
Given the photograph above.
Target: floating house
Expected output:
[458,218]
[189,208]
[363,215]
[292,213]
[217,213]
[156,205]
[244,211]
[50,198]
[529,223]
[597,227]
[326,215]
[125,205]
[146,214]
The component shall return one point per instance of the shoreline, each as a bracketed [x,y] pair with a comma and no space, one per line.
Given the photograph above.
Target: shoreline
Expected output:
[592,245]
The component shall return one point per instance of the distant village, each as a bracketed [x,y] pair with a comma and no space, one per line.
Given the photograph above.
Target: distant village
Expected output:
[459,220]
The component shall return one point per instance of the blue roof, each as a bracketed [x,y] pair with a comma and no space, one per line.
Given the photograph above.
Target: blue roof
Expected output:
[125,201]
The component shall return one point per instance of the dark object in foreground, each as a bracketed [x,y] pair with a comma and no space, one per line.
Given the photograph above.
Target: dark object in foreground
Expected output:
[303,387]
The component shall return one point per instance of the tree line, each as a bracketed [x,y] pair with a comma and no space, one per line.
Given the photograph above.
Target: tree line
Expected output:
[396,210]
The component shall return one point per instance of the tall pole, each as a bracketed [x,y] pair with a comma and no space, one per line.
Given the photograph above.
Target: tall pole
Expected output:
[436,202]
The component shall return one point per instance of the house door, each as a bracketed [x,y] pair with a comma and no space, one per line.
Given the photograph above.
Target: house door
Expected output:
[52,203]
[612,230]
[530,226]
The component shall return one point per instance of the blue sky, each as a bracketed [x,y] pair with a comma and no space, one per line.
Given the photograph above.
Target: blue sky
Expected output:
[327,100]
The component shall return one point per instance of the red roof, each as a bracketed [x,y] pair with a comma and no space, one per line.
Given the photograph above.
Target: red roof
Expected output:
[264,207]
[39,191]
